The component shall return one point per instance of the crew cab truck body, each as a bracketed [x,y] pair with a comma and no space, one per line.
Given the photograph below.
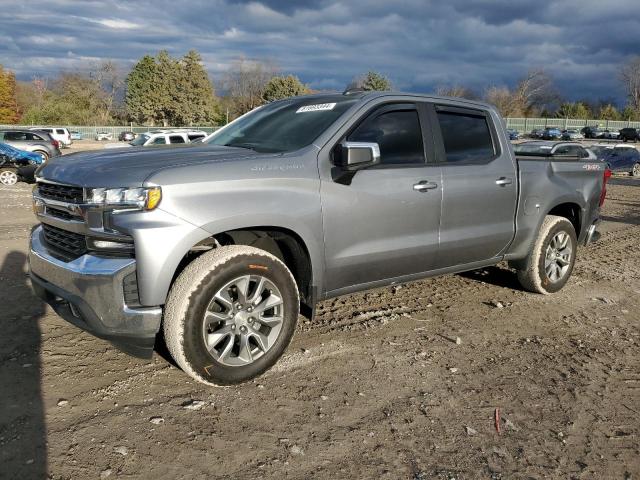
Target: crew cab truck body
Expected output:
[219,246]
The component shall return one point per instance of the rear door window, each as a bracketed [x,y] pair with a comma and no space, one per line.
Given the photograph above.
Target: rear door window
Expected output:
[176,139]
[466,137]
[60,131]
[195,137]
[159,141]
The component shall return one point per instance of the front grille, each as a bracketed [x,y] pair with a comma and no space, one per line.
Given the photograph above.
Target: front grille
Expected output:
[68,242]
[62,214]
[63,193]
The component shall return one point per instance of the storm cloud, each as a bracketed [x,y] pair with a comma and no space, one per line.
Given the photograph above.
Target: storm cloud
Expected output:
[417,44]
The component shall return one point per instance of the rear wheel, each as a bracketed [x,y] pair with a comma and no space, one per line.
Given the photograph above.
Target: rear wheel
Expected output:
[550,262]
[231,314]
[43,154]
[636,170]
[8,176]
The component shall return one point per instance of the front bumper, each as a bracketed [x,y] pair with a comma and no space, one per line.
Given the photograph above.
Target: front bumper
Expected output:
[88,292]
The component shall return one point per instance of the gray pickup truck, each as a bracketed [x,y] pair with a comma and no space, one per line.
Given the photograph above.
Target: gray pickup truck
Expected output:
[220,246]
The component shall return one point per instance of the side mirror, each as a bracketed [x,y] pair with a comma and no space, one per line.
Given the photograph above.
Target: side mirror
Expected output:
[358,155]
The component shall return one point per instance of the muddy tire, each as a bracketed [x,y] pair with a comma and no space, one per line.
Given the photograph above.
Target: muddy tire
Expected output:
[550,262]
[231,314]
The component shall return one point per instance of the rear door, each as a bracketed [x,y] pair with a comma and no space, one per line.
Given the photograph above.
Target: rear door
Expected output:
[383,223]
[479,185]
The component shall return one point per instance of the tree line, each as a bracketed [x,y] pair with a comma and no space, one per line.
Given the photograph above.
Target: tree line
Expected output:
[162,90]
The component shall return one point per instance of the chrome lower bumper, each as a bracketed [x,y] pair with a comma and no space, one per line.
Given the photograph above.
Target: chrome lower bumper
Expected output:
[88,292]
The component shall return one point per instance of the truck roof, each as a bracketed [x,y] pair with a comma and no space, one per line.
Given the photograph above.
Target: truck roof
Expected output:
[368,95]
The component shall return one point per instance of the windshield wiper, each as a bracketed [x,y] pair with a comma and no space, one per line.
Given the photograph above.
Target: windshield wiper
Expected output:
[248,146]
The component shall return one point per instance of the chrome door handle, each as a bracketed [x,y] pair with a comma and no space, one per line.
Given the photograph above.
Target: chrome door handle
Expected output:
[424,185]
[502,181]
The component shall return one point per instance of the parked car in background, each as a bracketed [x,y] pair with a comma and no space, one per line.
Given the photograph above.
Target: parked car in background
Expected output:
[126,136]
[32,141]
[623,158]
[61,134]
[611,134]
[562,150]
[572,135]
[513,134]
[551,134]
[162,137]
[75,135]
[536,133]
[17,165]
[591,132]
[629,134]
[101,136]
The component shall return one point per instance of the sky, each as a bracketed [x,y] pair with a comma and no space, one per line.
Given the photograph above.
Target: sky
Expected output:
[419,45]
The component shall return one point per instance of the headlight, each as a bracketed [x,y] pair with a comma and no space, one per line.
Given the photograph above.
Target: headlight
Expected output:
[145,198]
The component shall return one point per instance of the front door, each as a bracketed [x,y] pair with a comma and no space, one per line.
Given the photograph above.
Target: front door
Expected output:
[383,224]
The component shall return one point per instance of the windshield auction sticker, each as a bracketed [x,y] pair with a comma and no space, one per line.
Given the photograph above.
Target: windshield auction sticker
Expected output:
[316,108]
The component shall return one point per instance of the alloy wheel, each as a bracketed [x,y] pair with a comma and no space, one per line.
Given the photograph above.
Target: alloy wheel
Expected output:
[8,177]
[243,320]
[558,256]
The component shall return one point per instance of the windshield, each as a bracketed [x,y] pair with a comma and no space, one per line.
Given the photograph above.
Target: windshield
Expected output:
[139,140]
[283,126]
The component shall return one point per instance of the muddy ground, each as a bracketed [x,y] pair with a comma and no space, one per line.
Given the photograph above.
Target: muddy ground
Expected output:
[373,388]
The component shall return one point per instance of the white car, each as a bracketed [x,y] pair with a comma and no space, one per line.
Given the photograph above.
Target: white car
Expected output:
[162,137]
[61,134]
[100,136]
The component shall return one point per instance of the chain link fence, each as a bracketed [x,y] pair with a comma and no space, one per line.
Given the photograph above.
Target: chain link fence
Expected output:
[522,125]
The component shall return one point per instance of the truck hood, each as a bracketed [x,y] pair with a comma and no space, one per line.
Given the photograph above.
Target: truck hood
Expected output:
[130,167]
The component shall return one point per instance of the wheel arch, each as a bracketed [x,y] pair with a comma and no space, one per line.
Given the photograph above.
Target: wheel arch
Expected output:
[572,212]
[284,243]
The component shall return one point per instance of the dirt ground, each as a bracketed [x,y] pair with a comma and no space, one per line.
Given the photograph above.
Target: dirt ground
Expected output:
[375,387]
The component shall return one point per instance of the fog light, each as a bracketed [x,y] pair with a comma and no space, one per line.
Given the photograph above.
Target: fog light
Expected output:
[110,245]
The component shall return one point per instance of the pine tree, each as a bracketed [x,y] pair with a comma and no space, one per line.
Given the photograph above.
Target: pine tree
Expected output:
[142,98]
[283,87]
[194,101]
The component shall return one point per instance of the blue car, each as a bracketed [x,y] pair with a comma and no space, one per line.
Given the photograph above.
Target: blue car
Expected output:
[551,134]
[624,159]
[513,134]
[16,165]
[76,135]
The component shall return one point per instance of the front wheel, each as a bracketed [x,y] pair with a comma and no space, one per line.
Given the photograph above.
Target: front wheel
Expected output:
[550,262]
[231,314]
[636,170]
[8,176]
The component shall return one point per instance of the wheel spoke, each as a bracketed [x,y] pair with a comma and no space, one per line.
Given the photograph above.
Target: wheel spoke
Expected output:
[257,293]
[262,340]
[216,337]
[245,349]
[270,321]
[242,287]
[271,301]
[213,317]
[223,297]
[227,348]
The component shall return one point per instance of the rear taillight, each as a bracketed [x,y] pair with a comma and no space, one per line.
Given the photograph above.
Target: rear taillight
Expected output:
[603,194]
[55,143]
